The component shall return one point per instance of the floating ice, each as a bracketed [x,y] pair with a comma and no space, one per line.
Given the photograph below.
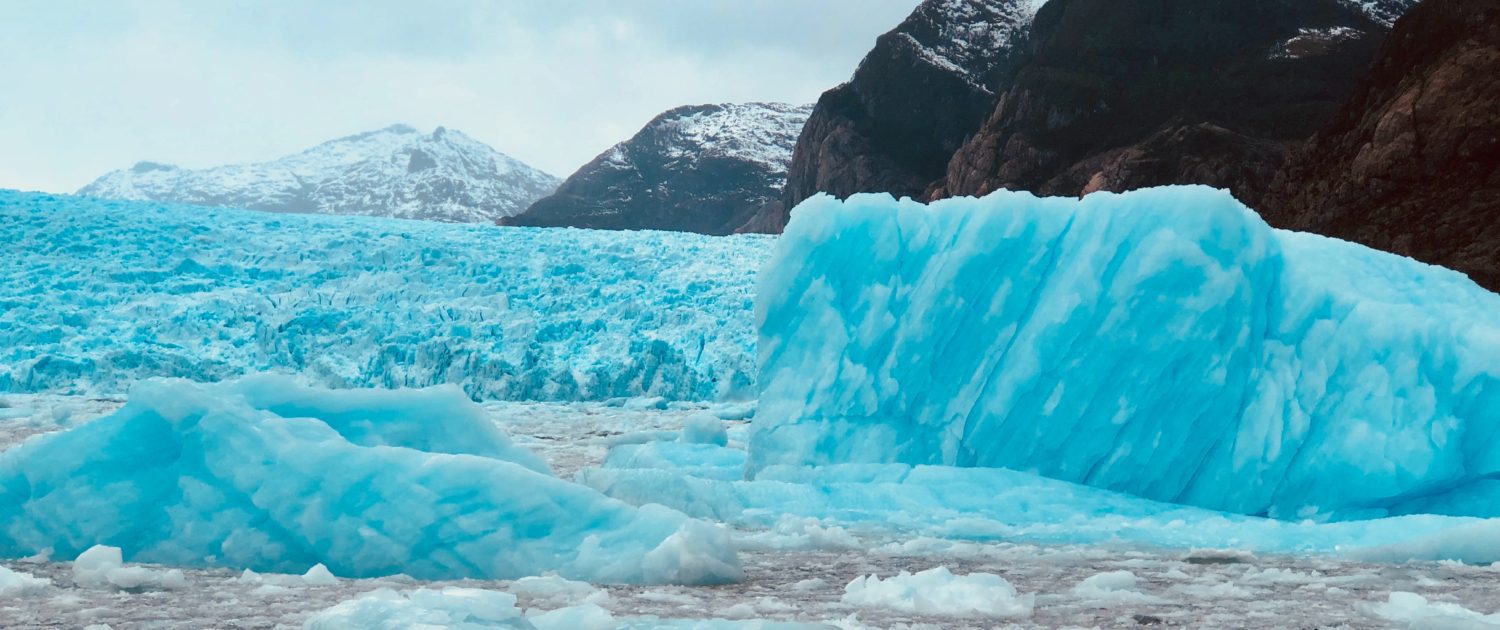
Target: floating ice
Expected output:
[102,567]
[451,607]
[1414,611]
[97,294]
[1164,343]
[940,592]
[17,584]
[704,428]
[268,475]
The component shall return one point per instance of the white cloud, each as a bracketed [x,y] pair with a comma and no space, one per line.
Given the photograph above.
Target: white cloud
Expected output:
[93,86]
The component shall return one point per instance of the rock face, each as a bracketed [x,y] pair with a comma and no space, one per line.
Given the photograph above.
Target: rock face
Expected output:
[394,172]
[702,168]
[1122,95]
[1411,164]
[925,86]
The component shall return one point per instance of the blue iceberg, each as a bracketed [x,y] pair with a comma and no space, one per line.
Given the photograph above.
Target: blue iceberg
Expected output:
[265,474]
[1164,343]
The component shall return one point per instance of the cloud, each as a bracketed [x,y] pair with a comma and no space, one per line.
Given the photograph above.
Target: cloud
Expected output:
[97,86]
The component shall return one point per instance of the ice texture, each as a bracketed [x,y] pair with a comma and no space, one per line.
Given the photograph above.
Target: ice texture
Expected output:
[451,607]
[1165,343]
[939,592]
[18,584]
[268,475]
[97,294]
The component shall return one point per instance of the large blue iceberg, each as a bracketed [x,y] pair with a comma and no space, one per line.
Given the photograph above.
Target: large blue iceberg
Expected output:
[264,474]
[1166,343]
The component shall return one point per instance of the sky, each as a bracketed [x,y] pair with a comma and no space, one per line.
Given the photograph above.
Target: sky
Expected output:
[89,86]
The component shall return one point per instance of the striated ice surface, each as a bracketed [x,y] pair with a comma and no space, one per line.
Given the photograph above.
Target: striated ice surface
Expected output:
[267,475]
[1164,343]
[96,294]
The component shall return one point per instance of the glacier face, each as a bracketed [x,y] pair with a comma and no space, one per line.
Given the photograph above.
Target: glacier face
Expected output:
[96,294]
[395,172]
[1164,343]
[265,474]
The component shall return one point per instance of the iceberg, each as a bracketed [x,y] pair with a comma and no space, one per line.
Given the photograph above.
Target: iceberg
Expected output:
[96,294]
[269,475]
[1164,343]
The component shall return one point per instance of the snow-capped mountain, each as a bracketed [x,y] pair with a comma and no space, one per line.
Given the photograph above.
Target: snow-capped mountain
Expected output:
[395,172]
[925,86]
[698,168]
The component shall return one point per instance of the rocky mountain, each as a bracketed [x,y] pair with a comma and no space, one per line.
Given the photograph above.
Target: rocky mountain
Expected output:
[925,86]
[1171,92]
[1411,163]
[700,168]
[393,172]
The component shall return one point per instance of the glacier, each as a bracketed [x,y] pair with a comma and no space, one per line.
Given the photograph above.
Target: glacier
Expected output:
[97,294]
[1164,343]
[265,474]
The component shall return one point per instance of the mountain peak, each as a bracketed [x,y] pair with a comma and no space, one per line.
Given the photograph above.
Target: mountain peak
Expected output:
[396,172]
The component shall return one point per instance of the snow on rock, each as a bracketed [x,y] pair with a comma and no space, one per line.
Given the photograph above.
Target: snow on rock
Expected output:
[395,172]
[1414,611]
[450,607]
[940,592]
[97,294]
[18,584]
[268,475]
[102,567]
[1164,343]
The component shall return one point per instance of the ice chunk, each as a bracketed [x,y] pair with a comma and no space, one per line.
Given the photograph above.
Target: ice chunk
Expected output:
[1163,342]
[996,504]
[17,584]
[580,617]
[101,567]
[319,575]
[704,428]
[451,607]
[193,474]
[1114,587]
[939,592]
[1414,611]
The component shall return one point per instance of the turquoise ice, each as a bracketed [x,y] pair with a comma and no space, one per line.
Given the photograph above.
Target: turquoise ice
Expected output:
[265,474]
[1164,343]
[96,294]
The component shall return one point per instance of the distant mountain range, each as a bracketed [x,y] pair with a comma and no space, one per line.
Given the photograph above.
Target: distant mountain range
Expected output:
[699,168]
[396,172]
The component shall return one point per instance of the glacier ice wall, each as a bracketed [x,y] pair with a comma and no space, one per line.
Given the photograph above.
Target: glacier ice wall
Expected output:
[96,294]
[267,475]
[1165,343]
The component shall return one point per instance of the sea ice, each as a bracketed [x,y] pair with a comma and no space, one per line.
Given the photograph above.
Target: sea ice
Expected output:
[102,567]
[1414,611]
[266,474]
[17,584]
[1164,342]
[939,592]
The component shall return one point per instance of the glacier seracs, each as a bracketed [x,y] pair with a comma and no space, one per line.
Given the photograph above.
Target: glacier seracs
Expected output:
[264,474]
[96,294]
[1165,343]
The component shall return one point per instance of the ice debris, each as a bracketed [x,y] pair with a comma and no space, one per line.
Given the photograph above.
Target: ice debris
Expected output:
[1165,343]
[17,583]
[939,592]
[101,567]
[265,474]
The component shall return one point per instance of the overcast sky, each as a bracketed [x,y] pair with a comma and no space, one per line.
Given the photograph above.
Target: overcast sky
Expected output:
[94,85]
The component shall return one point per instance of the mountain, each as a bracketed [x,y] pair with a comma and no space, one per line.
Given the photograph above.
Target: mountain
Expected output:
[699,168]
[1171,92]
[925,86]
[395,172]
[1411,163]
